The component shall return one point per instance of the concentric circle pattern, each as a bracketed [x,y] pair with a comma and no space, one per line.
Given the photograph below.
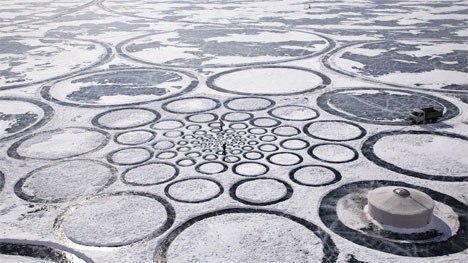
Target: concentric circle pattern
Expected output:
[228,131]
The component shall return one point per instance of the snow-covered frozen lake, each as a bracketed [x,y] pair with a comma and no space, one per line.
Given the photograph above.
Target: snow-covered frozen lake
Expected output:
[229,131]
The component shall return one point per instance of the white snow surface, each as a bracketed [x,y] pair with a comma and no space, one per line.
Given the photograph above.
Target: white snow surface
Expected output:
[51,43]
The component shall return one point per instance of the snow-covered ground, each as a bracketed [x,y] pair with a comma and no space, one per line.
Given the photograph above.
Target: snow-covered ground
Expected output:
[229,131]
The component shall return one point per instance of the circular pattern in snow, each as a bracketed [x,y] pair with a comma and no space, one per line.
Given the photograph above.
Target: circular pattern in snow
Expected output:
[408,245]
[59,144]
[150,174]
[337,131]
[314,175]
[115,219]
[249,104]
[286,131]
[27,251]
[35,60]
[126,118]
[264,122]
[129,156]
[167,124]
[237,116]
[19,116]
[191,105]
[221,47]
[294,113]
[202,117]
[194,190]
[211,168]
[233,235]
[163,145]
[381,106]
[267,147]
[186,162]
[268,81]
[119,87]
[253,155]
[294,144]
[417,64]
[134,137]
[285,158]
[333,153]
[65,180]
[428,155]
[250,169]
[166,155]
[261,191]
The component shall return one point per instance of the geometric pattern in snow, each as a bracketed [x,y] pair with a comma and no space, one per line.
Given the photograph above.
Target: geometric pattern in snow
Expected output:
[416,64]
[119,87]
[211,235]
[381,106]
[19,116]
[94,223]
[59,144]
[430,155]
[268,81]
[35,60]
[65,180]
[210,48]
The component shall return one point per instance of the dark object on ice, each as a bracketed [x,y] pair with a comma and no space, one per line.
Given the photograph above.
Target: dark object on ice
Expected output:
[425,115]
[224,148]
[221,125]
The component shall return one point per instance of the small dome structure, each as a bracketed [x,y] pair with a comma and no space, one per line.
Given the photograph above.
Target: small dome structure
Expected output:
[400,207]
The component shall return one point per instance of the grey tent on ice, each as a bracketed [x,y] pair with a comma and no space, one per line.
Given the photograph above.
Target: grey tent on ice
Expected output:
[400,207]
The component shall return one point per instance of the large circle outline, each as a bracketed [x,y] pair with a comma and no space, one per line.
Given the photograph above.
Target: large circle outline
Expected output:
[226,103]
[121,50]
[45,89]
[124,180]
[111,154]
[368,151]
[329,249]
[48,115]
[170,212]
[217,102]
[234,168]
[105,57]
[270,112]
[210,82]
[328,215]
[322,102]
[333,170]
[220,187]
[286,196]
[310,151]
[360,136]
[13,153]
[95,120]
[30,198]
